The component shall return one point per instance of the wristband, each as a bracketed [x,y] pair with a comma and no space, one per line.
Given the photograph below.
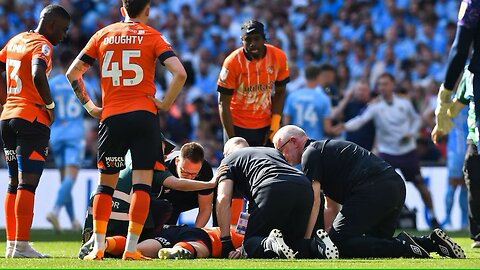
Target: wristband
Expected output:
[89,106]
[275,122]
[50,106]
[226,238]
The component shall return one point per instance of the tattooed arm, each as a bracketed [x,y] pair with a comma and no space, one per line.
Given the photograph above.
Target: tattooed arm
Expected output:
[75,77]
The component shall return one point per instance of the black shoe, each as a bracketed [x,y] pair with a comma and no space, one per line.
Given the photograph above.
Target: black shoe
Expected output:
[278,245]
[323,246]
[414,249]
[87,243]
[445,246]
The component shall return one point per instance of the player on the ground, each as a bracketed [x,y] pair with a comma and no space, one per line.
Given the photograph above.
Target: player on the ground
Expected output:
[26,119]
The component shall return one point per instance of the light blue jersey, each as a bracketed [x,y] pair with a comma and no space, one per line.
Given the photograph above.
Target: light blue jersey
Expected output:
[457,144]
[67,137]
[307,109]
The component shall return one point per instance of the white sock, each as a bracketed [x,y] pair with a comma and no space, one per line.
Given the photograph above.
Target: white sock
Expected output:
[132,240]
[99,240]
[21,245]
[10,243]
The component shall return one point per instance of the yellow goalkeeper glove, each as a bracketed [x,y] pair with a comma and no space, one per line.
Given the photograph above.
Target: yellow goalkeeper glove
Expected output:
[444,102]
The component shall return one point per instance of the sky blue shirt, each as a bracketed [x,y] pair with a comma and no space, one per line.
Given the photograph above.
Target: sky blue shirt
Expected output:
[68,124]
[307,108]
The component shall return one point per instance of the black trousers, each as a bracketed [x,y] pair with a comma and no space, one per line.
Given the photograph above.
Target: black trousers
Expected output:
[365,226]
[471,169]
[282,206]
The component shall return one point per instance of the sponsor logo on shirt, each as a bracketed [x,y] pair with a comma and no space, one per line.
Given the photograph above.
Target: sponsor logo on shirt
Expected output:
[223,74]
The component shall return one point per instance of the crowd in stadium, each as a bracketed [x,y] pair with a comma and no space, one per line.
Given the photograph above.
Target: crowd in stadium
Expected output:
[362,39]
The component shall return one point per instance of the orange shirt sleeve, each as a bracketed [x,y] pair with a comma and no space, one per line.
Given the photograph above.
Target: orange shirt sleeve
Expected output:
[227,79]
[3,55]
[163,48]
[283,72]
[42,51]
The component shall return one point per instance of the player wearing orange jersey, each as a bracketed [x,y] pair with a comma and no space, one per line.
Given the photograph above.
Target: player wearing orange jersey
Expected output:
[126,52]
[25,121]
[180,242]
[245,84]
[248,77]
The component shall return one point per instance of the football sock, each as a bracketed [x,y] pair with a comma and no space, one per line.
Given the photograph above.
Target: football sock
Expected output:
[187,246]
[70,210]
[102,208]
[24,211]
[235,209]
[115,245]
[64,194]
[9,205]
[138,214]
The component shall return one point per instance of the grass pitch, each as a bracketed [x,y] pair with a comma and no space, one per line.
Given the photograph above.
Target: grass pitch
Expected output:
[64,249]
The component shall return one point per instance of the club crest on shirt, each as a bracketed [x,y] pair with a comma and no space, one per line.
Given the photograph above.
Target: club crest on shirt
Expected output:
[270,69]
[46,49]
[223,74]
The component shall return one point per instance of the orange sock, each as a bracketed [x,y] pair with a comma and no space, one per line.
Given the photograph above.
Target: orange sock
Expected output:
[116,245]
[102,208]
[235,209]
[24,213]
[10,220]
[187,246]
[138,211]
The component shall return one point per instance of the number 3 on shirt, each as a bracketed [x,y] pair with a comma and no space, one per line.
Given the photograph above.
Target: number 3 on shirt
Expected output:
[12,70]
[115,72]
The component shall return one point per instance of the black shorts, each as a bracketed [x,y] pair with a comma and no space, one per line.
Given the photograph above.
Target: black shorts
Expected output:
[254,137]
[138,131]
[171,235]
[25,145]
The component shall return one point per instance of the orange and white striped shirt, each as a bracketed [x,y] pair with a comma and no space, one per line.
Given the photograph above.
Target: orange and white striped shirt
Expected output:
[251,83]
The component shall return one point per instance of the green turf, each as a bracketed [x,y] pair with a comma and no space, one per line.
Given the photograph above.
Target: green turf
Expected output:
[64,248]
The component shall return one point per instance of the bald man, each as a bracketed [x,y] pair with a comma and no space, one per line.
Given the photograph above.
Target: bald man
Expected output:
[280,201]
[364,196]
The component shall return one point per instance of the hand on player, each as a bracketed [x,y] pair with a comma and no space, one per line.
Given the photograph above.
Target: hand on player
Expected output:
[96,112]
[227,246]
[436,135]
[51,115]
[160,104]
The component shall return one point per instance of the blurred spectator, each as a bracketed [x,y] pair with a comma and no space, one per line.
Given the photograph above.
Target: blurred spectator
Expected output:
[355,36]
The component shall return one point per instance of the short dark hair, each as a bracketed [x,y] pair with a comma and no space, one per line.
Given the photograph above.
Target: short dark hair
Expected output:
[192,151]
[134,7]
[311,72]
[386,75]
[326,67]
[54,11]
